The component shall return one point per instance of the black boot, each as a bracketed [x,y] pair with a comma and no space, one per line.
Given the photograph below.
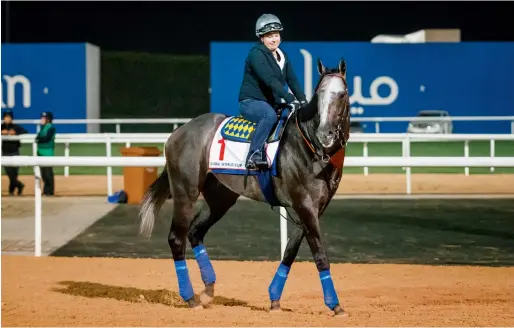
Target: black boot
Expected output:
[20,188]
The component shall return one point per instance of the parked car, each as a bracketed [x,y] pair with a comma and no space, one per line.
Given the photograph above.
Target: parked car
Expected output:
[436,126]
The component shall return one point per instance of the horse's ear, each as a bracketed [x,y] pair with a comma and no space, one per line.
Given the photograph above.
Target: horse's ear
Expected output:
[321,68]
[342,67]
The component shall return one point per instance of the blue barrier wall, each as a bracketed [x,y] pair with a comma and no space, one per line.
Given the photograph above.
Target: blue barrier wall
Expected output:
[61,78]
[392,80]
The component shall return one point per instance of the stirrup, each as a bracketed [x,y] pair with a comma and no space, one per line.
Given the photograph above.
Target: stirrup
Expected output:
[250,165]
[255,161]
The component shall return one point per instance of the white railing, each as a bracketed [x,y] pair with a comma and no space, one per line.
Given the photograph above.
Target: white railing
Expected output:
[365,138]
[177,121]
[350,161]
[116,121]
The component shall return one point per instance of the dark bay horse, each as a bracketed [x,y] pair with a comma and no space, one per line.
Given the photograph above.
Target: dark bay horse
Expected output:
[310,163]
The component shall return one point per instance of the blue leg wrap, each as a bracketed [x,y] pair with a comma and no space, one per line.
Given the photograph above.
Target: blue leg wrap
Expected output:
[184,284]
[206,269]
[277,284]
[329,292]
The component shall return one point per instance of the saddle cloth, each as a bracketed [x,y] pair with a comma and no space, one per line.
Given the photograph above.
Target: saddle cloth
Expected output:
[231,144]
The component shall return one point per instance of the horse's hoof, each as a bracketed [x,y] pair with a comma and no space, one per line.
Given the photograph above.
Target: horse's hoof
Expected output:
[193,304]
[275,306]
[207,296]
[339,312]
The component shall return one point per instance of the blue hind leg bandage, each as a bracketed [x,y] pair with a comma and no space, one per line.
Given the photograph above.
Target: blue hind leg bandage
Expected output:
[277,284]
[184,283]
[206,269]
[329,292]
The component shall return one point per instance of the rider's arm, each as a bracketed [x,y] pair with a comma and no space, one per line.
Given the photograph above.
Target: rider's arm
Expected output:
[293,82]
[261,67]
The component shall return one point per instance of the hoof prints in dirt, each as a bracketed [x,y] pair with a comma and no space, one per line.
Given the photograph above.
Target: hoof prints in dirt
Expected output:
[136,295]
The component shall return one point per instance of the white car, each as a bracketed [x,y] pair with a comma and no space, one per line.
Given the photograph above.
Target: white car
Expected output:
[436,126]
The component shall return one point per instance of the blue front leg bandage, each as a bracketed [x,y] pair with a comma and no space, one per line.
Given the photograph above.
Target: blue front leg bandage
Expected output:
[206,269]
[184,284]
[329,292]
[277,284]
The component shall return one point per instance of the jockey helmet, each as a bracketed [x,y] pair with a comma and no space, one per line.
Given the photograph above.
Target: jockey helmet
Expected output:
[267,23]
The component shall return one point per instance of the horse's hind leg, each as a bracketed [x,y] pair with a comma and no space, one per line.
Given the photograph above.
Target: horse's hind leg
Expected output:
[219,200]
[183,211]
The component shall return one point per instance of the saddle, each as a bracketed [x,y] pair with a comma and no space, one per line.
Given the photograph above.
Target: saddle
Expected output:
[239,129]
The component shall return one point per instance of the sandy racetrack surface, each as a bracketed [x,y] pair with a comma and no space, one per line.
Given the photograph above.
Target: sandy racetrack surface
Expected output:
[54,291]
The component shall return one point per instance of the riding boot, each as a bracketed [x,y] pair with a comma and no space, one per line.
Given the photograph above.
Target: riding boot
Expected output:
[262,162]
[257,160]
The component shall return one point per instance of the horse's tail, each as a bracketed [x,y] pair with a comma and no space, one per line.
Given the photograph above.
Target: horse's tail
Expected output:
[153,199]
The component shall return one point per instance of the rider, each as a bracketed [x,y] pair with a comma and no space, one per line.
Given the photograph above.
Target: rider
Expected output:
[267,70]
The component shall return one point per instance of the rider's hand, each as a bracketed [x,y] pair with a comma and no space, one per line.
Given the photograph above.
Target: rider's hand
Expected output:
[295,105]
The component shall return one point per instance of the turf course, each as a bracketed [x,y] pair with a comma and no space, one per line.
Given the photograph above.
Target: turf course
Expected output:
[477,232]
[476,148]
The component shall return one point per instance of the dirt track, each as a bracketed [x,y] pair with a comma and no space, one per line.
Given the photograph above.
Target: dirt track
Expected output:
[143,292]
[53,291]
[350,184]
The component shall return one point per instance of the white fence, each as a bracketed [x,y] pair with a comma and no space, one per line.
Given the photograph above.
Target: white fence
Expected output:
[177,121]
[351,161]
[365,138]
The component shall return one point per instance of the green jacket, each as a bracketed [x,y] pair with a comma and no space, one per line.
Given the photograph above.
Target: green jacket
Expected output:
[264,80]
[46,140]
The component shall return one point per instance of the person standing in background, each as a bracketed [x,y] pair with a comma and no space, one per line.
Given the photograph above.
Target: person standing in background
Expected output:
[45,140]
[12,148]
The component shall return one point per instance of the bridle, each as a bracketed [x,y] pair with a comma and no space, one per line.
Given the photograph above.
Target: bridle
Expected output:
[339,134]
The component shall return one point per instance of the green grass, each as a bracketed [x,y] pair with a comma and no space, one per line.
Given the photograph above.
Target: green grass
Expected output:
[476,148]
[476,232]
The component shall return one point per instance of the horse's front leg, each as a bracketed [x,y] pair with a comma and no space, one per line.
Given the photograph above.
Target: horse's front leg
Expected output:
[279,280]
[308,213]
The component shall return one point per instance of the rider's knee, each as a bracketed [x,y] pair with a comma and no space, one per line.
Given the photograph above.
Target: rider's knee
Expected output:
[270,117]
[270,120]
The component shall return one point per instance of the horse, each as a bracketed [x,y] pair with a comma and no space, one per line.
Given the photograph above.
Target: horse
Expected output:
[309,162]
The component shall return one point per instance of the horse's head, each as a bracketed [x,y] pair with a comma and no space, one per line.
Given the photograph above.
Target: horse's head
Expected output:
[333,105]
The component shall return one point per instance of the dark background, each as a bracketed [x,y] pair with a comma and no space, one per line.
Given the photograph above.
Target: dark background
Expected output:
[188,27]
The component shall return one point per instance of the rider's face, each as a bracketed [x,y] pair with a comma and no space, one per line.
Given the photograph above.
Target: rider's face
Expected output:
[271,40]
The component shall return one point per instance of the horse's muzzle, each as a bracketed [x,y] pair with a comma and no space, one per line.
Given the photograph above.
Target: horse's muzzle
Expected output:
[326,139]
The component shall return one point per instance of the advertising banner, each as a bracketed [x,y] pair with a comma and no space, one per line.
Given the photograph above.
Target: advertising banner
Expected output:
[392,80]
[61,78]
